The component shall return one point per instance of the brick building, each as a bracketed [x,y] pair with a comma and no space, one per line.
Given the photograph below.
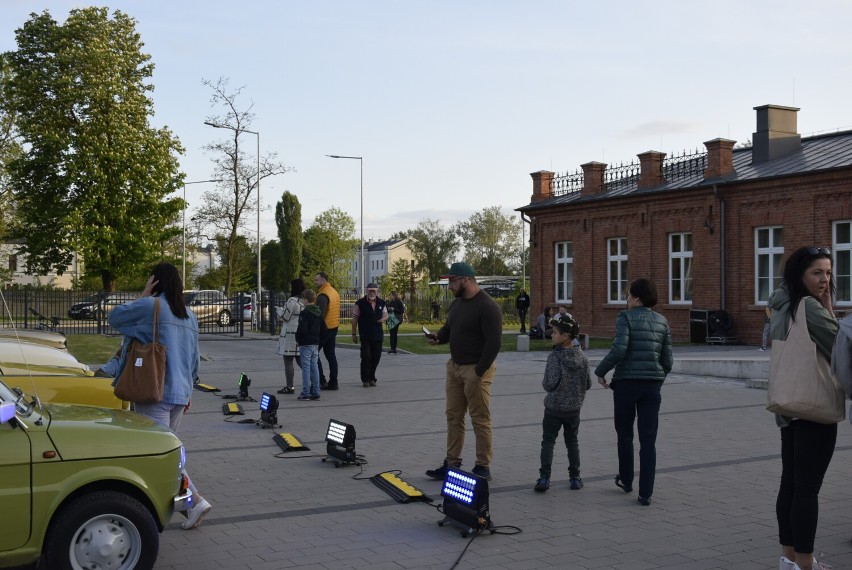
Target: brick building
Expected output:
[711,229]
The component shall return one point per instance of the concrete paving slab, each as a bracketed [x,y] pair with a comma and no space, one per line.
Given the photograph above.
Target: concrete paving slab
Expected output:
[718,470]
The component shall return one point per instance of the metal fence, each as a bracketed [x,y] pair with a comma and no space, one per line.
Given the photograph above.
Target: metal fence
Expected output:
[87,312]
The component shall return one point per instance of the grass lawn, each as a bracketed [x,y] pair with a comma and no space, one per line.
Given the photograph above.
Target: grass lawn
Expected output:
[93,348]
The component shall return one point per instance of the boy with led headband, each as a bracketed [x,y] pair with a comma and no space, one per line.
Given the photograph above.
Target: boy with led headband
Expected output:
[566,380]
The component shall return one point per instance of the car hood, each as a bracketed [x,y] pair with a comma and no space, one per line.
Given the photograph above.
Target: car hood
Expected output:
[83,432]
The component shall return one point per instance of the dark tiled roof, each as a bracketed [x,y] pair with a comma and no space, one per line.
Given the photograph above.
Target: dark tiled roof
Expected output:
[381,245]
[817,153]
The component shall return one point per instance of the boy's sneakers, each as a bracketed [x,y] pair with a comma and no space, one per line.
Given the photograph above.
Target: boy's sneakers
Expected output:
[576,483]
[542,485]
[315,397]
[483,472]
[303,397]
[785,564]
[196,514]
[440,473]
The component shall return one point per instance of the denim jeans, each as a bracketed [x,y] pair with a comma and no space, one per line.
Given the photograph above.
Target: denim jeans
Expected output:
[309,357]
[806,451]
[468,393]
[634,399]
[550,427]
[328,341]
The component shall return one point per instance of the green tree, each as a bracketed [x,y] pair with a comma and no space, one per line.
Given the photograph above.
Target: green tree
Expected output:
[272,261]
[397,279]
[226,207]
[433,247]
[492,242]
[94,176]
[329,246]
[288,218]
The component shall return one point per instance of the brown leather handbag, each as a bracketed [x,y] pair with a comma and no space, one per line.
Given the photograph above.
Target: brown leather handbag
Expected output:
[144,371]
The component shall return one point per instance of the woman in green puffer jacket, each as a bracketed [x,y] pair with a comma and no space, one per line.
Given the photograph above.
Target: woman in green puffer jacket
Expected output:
[641,354]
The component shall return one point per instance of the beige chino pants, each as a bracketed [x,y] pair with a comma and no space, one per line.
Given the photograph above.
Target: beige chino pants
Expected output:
[468,393]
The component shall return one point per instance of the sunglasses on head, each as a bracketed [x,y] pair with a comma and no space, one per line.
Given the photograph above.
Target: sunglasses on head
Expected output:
[819,251]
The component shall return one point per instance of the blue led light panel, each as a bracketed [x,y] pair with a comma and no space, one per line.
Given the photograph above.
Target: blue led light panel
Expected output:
[459,486]
[264,402]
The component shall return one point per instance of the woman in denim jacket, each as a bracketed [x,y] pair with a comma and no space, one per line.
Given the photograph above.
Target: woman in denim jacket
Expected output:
[178,332]
[641,354]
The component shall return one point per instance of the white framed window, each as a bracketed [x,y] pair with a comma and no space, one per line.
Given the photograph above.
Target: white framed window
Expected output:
[564,251]
[680,268]
[616,256]
[842,248]
[768,251]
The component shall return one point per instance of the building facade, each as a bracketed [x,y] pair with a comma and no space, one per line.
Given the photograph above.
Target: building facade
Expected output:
[14,270]
[379,259]
[710,229]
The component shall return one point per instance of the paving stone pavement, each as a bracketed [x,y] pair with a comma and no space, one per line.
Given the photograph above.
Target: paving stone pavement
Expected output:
[718,469]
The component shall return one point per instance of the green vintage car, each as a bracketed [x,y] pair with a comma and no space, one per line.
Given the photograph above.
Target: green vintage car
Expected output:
[85,487]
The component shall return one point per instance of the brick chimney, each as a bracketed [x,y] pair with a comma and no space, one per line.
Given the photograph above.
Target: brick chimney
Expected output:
[542,185]
[777,134]
[650,169]
[593,178]
[720,158]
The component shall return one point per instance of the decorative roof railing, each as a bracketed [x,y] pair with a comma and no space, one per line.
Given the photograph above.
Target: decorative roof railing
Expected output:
[623,176]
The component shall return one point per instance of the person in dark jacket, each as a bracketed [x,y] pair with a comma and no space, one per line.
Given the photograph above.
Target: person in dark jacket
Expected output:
[396,306]
[368,315]
[522,305]
[806,447]
[310,330]
[641,354]
[566,380]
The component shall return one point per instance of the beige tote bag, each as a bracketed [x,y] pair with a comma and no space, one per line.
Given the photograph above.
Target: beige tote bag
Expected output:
[801,384]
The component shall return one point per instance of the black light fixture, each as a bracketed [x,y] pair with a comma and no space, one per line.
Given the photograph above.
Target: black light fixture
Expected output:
[340,438]
[466,501]
[243,385]
[268,411]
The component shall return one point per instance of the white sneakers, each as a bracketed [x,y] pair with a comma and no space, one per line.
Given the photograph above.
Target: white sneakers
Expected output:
[195,515]
[787,564]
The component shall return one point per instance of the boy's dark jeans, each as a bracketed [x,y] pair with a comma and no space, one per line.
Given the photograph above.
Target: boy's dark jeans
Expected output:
[632,399]
[550,427]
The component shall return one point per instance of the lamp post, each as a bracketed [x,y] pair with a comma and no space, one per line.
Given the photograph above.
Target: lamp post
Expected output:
[360,159]
[238,131]
[183,220]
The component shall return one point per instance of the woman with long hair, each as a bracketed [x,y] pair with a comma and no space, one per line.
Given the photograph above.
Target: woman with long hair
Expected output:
[641,354]
[397,307]
[287,346]
[806,446]
[178,332]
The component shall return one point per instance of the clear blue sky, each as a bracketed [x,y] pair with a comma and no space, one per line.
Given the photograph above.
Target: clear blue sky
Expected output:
[453,103]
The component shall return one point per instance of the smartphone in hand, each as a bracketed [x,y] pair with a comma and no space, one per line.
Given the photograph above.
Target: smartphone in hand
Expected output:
[426,331]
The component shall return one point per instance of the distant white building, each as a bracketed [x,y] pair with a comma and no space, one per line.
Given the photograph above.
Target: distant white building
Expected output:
[379,260]
[13,262]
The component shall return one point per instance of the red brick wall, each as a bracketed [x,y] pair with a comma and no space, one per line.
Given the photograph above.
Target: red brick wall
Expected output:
[804,205]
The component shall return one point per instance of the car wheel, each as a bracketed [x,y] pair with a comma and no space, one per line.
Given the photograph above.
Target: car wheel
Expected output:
[224,318]
[104,529]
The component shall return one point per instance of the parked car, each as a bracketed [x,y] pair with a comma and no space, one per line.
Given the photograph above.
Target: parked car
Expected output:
[244,300]
[85,487]
[54,376]
[210,306]
[99,305]
[47,338]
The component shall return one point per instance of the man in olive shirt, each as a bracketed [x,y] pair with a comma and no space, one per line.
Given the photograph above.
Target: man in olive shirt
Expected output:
[474,327]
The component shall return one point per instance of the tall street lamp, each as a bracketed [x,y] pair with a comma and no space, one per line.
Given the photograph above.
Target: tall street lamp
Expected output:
[361,285]
[238,131]
[183,216]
